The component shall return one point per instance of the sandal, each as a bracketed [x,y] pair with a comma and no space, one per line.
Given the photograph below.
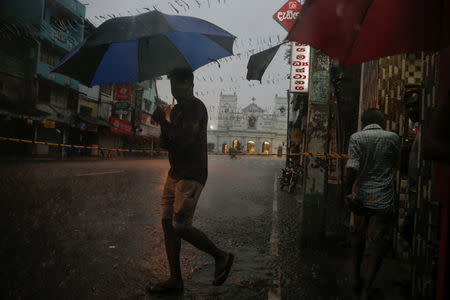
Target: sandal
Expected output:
[165,287]
[223,273]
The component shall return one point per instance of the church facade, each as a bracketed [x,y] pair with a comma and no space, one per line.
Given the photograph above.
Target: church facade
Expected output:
[250,130]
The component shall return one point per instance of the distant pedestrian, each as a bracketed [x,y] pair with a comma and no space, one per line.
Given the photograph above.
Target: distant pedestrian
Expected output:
[369,185]
[184,136]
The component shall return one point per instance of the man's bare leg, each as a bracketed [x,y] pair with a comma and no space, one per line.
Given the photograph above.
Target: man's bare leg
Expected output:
[199,240]
[373,265]
[173,245]
[357,256]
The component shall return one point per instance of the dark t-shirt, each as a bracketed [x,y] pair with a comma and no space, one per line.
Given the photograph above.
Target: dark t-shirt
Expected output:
[188,161]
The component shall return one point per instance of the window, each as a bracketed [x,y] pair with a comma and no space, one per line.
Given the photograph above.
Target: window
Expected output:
[106,89]
[85,111]
[44,57]
[44,93]
[72,101]
[48,58]
[251,122]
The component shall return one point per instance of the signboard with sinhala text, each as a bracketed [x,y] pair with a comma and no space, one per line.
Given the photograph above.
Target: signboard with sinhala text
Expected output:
[287,14]
[300,68]
[123,93]
[122,105]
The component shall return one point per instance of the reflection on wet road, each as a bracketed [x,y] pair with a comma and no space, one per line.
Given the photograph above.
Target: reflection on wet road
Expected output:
[91,230]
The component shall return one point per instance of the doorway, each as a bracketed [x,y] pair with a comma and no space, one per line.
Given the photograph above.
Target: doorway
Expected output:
[225,148]
[265,148]
[251,147]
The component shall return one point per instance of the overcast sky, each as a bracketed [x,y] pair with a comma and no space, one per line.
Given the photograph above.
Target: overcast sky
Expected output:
[250,21]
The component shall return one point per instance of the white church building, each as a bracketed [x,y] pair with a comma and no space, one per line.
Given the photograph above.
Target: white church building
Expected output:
[251,129]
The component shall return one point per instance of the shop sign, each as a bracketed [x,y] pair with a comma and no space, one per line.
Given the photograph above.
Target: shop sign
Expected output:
[146,119]
[300,68]
[49,124]
[153,131]
[83,126]
[122,105]
[121,126]
[287,14]
[123,93]
[92,128]
[121,112]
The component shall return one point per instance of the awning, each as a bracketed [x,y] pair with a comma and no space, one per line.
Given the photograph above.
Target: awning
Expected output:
[20,110]
[93,121]
[56,114]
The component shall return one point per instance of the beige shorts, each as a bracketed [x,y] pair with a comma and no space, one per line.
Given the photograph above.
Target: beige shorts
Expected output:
[180,199]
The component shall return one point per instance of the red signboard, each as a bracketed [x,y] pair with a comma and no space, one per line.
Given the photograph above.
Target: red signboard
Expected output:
[145,119]
[121,126]
[123,93]
[287,14]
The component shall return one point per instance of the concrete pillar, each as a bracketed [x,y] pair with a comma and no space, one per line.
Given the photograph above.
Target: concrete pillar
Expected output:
[64,141]
[313,214]
[218,145]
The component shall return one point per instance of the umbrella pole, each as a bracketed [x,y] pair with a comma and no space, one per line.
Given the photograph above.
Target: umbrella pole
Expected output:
[156,88]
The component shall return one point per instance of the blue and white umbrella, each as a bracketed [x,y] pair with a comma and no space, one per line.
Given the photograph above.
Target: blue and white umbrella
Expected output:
[138,48]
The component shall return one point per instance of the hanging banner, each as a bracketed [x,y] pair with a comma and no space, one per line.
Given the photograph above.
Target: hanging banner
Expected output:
[300,68]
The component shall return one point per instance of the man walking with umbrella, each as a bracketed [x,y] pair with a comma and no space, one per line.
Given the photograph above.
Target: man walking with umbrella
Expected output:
[185,139]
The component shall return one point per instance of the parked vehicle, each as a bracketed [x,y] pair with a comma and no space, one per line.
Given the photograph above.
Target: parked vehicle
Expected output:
[289,177]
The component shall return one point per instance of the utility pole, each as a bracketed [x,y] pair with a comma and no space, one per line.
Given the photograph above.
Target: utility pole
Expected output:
[316,170]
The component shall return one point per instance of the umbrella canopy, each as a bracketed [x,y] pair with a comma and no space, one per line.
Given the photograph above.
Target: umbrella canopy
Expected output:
[354,31]
[138,48]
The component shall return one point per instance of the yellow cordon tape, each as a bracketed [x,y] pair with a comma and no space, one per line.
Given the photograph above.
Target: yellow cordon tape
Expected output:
[80,147]
[307,154]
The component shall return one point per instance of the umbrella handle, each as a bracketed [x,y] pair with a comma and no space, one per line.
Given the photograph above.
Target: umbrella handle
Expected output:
[214,60]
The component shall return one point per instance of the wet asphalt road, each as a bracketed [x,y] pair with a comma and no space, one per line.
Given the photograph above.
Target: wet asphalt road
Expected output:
[91,230]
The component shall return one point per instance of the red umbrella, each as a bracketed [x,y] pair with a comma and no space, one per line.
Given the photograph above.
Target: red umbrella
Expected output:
[354,31]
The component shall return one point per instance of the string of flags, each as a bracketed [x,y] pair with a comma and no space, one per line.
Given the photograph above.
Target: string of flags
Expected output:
[244,47]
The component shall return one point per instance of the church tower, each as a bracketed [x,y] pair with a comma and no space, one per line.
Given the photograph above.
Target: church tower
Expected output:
[280,113]
[227,108]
